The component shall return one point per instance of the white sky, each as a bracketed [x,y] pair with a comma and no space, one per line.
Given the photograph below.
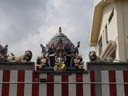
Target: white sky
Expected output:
[25,24]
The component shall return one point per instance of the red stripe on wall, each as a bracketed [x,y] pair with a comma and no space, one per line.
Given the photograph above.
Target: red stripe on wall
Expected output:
[64,89]
[79,87]
[5,87]
[92,79]
[50,87]
[125,75]
[20,87]
[35,87]
[112,87]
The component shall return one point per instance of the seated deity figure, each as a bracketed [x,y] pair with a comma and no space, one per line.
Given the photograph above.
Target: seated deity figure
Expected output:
[42,61]
[59,63]
[78,61]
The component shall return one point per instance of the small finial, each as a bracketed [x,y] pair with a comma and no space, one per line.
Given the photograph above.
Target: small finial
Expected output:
[60,30]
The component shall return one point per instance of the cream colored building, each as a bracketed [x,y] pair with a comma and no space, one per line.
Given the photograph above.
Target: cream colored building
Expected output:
[109,32]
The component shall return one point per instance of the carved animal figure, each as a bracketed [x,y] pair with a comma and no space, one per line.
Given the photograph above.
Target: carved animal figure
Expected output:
[3,53]
[3,50]
[94,58]
[23,58]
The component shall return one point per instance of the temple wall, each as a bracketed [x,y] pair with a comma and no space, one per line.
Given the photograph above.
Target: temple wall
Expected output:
[101,79]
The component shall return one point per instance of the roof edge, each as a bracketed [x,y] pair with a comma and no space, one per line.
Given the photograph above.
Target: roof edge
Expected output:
[96,22]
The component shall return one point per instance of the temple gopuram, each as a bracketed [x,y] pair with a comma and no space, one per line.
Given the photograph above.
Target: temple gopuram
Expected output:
[60,54]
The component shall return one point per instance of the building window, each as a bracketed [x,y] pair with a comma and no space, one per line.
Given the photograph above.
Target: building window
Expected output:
[100,46]
[106,33]
[111,16]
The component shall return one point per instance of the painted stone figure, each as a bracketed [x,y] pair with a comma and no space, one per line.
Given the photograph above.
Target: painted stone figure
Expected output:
[78,61]
[43,60]
[3,53]
[59,63]
[94,58]
[23,58]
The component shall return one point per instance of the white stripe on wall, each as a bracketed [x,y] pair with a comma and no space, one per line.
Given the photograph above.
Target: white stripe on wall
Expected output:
[105,87]
[72,87]
[86,87]
[28,87]
[43,86]
[13,87]
[1,79]
[120,87]
[57,87]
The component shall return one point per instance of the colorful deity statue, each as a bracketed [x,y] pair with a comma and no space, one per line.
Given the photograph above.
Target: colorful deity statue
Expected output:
[42,61]
[59,63]
[60,53]
[78,61]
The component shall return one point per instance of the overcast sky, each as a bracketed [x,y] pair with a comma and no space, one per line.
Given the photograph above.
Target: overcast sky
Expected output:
[25,24]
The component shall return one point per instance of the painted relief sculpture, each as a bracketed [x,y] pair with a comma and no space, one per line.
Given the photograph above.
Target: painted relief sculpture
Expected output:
[59,54]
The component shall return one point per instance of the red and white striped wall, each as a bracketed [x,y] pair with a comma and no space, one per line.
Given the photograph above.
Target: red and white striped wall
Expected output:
[27,83]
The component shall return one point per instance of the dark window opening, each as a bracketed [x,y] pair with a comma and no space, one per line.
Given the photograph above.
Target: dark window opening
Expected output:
[106,33]
[100,46]
[111,16]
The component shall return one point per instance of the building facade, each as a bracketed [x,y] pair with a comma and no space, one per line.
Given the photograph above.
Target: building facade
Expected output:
[109,32]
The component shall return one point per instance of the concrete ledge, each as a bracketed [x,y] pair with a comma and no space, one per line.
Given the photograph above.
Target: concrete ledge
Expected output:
[16,66]
[61,73]
[107,66]
[90,66]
